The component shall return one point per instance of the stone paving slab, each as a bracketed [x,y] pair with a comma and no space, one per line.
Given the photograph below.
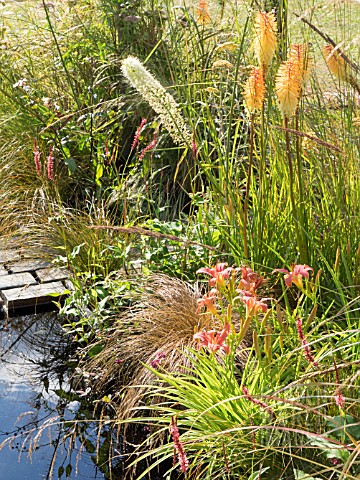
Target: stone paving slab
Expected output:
[52,274]
[32,295]
[7,256]
[16,280]
[3,271]
[28,266]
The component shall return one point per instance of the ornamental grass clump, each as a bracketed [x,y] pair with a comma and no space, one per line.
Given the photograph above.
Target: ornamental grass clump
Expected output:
[160,100]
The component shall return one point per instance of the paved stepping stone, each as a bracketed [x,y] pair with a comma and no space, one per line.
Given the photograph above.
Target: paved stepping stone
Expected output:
[32,295]
[28,266]
[51,274]
[16,280]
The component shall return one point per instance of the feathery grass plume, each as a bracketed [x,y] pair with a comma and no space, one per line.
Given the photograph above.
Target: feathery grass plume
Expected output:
[287,88]
[222,64]
[160,100]
[202,12]
[265,38]
[336,63]
[299,55]
[254,90]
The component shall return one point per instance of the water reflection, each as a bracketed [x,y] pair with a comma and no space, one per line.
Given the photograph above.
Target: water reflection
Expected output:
[44,430]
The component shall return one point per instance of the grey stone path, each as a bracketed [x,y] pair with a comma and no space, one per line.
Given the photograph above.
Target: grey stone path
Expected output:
[29,282]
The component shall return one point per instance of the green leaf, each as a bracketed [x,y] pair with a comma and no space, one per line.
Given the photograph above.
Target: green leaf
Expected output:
[99,173]
[95,350]
[71,164]
[340,423]
[256,475]
[299,475]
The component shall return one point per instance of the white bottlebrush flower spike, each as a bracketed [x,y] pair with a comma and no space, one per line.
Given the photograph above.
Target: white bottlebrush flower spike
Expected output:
[159,99]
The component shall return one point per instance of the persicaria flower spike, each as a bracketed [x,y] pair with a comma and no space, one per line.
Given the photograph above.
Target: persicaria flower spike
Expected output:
[137,133]
[149,147]
[295,275]
[50,165]
[265,38]
[179,447]
[160,100]
[288,88]
[254,91]
[307,352]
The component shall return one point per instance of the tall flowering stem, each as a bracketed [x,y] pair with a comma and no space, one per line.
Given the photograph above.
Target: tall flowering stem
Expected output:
[50,165]
[137,133]
[179,447]
[254,95]
[306,348]
[159,99]
[288,91]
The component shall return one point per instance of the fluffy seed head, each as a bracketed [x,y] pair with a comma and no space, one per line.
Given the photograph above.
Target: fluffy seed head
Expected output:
[287,88]
[265,38]
[254,90]
[160,100]
[335,62]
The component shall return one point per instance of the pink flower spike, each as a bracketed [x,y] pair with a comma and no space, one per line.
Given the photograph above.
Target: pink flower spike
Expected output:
[179,447]
[149,147]
[339,400]
[256,401]
[218,273]
[295,275]
[50,165]
[307,352]
[212,340]
[137,133]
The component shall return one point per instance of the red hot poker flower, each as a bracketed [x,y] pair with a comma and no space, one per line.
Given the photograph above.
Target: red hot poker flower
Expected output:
[295,274]
[212,340]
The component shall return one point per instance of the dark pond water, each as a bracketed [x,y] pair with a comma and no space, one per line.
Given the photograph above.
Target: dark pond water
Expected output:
[44,428]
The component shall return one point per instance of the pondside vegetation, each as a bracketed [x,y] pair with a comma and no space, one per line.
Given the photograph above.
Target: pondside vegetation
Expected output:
[196,167]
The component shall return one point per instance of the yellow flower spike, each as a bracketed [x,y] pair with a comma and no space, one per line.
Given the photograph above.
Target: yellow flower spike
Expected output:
[299,55]
[336,63]
[288,88]
[265,38]
[254,91]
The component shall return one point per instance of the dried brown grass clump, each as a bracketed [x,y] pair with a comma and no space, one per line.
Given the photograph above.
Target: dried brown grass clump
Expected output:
[162,322]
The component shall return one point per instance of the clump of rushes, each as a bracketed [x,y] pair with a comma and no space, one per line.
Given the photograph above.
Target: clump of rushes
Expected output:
[338,67]
[265,38]
[254,95]
[288,87]
[159,99]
